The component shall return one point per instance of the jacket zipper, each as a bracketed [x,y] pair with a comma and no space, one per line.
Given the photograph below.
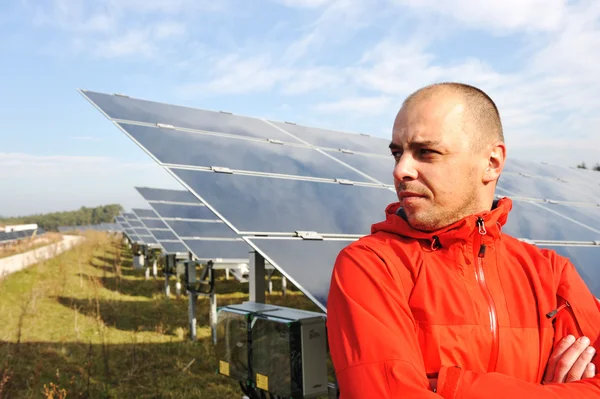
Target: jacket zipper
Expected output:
[480,276]
[566,305]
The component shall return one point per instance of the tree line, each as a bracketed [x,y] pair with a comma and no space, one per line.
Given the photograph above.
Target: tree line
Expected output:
[584,166]
[82,217]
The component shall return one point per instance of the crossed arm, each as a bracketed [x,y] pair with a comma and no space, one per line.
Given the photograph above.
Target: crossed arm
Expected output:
[385,360]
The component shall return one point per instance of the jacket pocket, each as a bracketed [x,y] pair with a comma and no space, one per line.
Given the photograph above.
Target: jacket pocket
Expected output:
[566,320]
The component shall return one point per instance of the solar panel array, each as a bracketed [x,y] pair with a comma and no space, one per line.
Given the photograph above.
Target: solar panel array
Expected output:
[300,194]
[110,227]
[12,236]
[183,221]
[139,230]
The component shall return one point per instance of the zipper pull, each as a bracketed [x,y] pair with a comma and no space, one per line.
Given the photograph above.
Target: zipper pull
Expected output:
[482,232]
[551,315]
[481,253]
[481,225]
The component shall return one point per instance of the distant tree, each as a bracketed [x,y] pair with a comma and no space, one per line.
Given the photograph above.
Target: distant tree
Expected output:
[83,216]
[597,167]
[582,166]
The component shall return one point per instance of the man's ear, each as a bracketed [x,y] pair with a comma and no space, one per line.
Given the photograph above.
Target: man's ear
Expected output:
[495,162]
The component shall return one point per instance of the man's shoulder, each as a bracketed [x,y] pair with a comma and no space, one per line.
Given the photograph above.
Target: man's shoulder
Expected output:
[382,240]
[391,249]
[542,257]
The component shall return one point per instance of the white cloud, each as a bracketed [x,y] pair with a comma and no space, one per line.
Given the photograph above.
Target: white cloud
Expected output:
[359,105]
[304,3]
[500,16]
[130,43]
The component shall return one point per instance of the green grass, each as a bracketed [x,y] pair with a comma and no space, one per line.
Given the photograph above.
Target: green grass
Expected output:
[87,325]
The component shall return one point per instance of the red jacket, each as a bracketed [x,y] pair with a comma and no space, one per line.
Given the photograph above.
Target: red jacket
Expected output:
[467,302]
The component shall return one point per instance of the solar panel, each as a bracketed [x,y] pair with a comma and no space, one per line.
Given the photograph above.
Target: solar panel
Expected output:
[131,109]
[337,140]
[308,263]
[194,225]
[379,167]
[252,197]
[180,148]
[549,189]
[149,219]
[273,205]
[140,231]
[537,222]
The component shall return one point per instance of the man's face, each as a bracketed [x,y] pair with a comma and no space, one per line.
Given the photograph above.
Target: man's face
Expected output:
[438,177]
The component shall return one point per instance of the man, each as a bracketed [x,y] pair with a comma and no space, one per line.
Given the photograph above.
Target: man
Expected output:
[437,300]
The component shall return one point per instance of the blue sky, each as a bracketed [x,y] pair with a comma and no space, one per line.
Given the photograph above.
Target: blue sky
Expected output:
[341,64]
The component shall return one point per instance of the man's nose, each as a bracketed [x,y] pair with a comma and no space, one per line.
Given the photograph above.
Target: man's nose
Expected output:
[405,169]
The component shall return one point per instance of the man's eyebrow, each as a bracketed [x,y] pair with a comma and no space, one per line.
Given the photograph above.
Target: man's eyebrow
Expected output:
[394,146]
[425,143]
[416,144]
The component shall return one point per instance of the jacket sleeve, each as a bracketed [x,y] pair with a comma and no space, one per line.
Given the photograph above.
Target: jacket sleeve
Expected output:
[371,331]
[582,319]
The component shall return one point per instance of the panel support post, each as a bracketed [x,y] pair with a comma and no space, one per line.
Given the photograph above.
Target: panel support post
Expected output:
[192,298]
[269,281]
[155,269]
[283,284]
[257,277]
[213,316]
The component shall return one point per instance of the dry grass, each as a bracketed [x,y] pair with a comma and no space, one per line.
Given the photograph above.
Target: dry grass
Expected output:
[30,244]
[86,325]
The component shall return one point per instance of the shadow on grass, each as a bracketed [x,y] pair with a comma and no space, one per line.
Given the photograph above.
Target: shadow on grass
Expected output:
[106,264]
[132,287]
[140,370]
[159,316]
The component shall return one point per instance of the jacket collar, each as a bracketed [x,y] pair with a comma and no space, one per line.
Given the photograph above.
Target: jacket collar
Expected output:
[460,230]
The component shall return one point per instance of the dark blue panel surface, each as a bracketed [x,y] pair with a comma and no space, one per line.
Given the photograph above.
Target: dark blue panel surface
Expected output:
[588,215]
[163,234]
[194,149]
[535,222]
[549,171]
[338,140]
[154,224]
[212,250]
[380,168]
[261,204]
[549,189]
[308,263]
[201,229]
[159,194]
[136,224]
[173,247]
[141,231]
[585,260]
[144,213]
[183,211]
[118,107]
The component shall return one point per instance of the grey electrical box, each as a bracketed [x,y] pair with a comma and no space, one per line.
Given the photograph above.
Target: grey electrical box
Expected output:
[233,339]
[287,348]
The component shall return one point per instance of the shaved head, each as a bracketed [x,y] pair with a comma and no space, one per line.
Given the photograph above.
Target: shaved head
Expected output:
[481,118]
[449,151]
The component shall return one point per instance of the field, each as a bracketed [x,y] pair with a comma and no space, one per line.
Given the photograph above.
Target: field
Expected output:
[87,325]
